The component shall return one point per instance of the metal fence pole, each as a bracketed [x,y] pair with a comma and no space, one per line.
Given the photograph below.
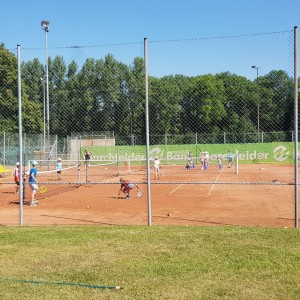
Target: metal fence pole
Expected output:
[20,136]
[147,132]
[4,138]
[296,121]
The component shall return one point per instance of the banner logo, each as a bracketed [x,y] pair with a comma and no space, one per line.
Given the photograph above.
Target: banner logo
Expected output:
[281,153]
[156,152]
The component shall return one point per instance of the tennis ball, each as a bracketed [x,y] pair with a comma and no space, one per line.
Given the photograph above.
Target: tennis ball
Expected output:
[169,214]
[88,206]
[46,198]
[186,225]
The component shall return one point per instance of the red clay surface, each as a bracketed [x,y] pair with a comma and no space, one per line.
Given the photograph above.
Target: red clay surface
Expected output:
[259,195]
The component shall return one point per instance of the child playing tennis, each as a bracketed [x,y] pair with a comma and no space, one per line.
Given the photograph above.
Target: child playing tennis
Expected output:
[190,164]
[219,163]
[33,183]
[156,167]
[87,158]
[230,157]
[17,177]
[202,157]
[126,187]
[59,168]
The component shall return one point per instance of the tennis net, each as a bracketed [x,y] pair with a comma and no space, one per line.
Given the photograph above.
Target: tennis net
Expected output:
[76,171]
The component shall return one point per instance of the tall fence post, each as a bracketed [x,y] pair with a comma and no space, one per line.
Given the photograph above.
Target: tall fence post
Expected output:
[296,121]
[20,136]
[196,141]
[4,150]
[147,132]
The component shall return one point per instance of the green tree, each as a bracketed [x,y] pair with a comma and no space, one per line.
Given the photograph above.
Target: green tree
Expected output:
[33,77]
[241,103]
[9,106]
[73,100]
[111,91]
[165,105]
[82,97]
[58,97]
[204,105]
[278,88]
[134,92]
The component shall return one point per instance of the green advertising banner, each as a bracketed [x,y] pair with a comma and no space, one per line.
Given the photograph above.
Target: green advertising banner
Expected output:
[248,153]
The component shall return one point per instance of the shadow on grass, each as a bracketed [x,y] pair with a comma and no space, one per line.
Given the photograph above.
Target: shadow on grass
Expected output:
[86,221]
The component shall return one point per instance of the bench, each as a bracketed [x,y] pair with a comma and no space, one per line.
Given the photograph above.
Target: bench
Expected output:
[4,172]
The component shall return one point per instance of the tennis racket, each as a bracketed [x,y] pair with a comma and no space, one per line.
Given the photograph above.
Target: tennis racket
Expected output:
[139,193]
[43,188]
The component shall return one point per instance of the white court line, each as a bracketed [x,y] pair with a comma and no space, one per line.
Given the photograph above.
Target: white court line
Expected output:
[215,183]
[181,185]
[175,190]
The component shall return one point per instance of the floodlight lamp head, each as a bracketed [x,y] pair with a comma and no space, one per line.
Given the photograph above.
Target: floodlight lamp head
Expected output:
[253,67]
[45,25]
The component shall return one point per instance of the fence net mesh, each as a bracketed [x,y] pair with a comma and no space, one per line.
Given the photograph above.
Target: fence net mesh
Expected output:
[210,100]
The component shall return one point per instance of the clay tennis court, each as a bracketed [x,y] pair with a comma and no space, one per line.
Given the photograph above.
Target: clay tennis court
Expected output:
[259,195]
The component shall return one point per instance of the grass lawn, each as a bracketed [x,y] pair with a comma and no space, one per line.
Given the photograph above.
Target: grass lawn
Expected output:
[79,262]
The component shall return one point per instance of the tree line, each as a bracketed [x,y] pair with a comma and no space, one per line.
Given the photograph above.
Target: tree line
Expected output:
[106,95]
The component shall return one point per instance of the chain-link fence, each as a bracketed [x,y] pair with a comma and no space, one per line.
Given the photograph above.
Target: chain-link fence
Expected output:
[221,124]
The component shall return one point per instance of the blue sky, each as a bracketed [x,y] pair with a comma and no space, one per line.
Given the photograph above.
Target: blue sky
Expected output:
[102,22]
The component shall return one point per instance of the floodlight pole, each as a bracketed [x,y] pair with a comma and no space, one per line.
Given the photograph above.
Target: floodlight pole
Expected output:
[258,113]
[44,112]
[45,27]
